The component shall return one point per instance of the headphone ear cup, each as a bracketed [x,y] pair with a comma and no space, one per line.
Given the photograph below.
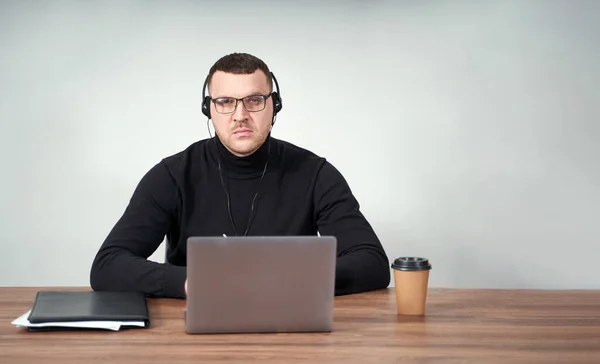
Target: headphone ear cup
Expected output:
[277,105]
[206,106]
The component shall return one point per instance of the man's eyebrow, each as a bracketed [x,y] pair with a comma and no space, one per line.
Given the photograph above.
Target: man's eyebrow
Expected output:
[257,92]
[254,93]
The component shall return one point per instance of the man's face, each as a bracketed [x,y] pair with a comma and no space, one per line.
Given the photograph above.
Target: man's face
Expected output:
[241,131]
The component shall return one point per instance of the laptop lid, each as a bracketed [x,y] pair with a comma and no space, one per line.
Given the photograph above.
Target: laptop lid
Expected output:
[260,284]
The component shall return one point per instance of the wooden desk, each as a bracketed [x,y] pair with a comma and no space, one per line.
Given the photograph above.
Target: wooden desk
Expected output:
[461,326]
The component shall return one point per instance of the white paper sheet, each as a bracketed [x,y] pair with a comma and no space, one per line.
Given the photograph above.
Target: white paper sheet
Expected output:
[22,321]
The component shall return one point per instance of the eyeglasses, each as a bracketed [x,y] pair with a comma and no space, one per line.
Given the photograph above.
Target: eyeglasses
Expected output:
[253,103]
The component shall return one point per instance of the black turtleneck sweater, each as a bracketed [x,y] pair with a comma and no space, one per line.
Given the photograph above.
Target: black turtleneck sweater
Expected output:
[183,195]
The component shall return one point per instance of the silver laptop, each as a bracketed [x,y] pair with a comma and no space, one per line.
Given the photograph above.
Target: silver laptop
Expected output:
[260,284]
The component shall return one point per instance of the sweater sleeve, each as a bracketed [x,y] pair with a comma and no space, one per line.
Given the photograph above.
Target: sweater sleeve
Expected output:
[362,264]
[121,263]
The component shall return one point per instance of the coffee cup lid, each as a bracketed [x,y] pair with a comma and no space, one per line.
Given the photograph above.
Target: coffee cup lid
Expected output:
[411,263]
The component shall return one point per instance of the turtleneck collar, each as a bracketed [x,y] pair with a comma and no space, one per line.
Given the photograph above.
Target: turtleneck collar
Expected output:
[250,166]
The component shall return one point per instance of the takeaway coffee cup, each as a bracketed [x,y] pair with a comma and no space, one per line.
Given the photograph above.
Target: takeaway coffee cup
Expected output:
[411,278]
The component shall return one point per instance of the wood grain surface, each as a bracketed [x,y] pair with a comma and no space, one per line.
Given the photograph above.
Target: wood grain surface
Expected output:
[460,326]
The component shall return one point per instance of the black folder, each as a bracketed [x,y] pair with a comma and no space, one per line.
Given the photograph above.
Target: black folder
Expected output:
[77,306]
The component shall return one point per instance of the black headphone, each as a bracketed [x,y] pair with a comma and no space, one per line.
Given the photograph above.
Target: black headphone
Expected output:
[276,95]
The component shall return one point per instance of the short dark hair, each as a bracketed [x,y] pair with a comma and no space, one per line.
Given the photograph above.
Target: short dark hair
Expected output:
[239,63]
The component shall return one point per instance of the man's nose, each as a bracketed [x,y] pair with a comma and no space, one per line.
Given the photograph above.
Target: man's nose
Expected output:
[240,113]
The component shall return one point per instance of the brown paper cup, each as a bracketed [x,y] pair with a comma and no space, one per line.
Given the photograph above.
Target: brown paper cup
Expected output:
[411,279]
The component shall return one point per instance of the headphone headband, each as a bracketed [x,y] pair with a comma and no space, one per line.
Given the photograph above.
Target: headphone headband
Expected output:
[276,95]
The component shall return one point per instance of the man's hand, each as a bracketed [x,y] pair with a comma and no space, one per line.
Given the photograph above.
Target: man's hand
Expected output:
[185,287]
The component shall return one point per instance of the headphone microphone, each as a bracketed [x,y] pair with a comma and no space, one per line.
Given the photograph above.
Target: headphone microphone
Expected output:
[276,95]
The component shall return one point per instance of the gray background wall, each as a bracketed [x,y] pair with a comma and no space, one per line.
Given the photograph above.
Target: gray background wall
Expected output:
[468,130]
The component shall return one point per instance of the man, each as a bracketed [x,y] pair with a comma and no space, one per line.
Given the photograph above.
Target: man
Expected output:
[240,182]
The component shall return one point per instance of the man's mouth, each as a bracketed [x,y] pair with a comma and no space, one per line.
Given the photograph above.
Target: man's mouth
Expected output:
[242,132]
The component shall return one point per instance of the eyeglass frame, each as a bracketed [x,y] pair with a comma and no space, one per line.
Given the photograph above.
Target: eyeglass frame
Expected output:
[276,95]
[237,101]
